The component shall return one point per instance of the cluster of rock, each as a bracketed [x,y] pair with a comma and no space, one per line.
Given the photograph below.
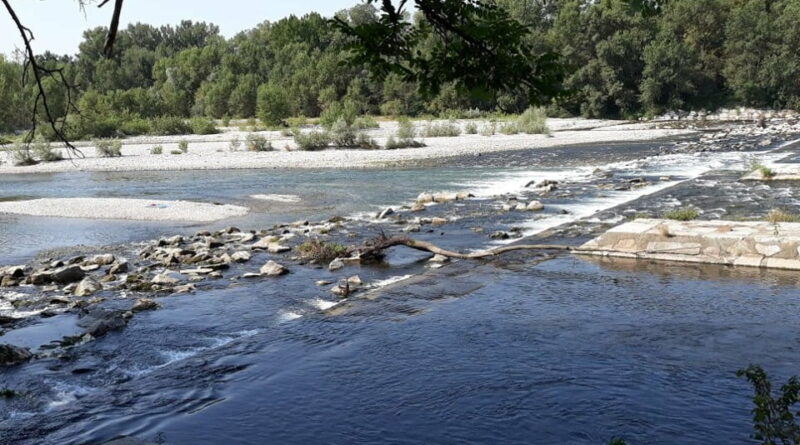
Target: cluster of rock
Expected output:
[739,137]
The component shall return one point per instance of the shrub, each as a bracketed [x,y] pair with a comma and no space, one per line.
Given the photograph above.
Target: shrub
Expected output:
[533,121]
[773,419]
[157,150]
[257,142]
[365,122]
[471,128]
[203,125]
[234,144]
[175,152]
[405,129]
[682,214]
[363,140]
[134,126]
[226,121]
[509,128]
[763,170]
[781,216]
[320,251]
[343,134]
[183,146]
[21,154]
[346,110]
[298,121]
[169,125]
[108,148]
[45,153]
[443,129]
[489,129]
[313,140]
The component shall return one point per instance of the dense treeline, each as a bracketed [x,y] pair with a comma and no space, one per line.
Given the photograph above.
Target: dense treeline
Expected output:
[622,62]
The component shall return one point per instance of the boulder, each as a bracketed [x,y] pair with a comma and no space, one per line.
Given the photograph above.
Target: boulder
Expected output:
[264,242]
[412,228]
[355,280]
[336,264]
[341,290]
[102,260]
[144,304]
[277,248]
[417,207]
[86,287]
[437,221]
[273,269]
[13,355]
[167,278]
[534,206]
[100,322]
[118,268]
[68,274]
[171,241]
[425,198]
[439,259]
[241,256]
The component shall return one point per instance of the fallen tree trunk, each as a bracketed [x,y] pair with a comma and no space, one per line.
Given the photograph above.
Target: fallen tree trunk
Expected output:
[376,248]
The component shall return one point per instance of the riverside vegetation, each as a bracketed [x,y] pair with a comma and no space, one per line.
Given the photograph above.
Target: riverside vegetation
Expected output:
[626,62]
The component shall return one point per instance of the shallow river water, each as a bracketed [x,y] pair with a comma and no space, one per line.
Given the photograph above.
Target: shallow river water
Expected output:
[514,350]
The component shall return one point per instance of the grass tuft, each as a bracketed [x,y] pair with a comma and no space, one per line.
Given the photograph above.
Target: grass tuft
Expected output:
[682,214]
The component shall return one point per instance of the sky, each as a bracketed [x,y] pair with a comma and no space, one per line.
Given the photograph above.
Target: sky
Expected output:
[59,24]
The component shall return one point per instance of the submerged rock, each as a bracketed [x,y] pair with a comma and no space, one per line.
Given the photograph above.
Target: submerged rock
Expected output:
[100,322]
[241,256]
[534,206]
[388,211]
[13,355]
[144,304]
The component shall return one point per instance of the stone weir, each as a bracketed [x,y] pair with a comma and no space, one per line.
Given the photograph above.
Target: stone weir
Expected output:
[754,244]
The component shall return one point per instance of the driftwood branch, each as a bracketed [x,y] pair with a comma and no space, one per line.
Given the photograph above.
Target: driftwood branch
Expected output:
[376,247]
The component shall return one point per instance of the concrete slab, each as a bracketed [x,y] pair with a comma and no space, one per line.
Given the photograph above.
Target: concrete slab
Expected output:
[752,244]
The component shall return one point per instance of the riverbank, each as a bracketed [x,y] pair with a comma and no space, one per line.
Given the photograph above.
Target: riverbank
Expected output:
[213,152]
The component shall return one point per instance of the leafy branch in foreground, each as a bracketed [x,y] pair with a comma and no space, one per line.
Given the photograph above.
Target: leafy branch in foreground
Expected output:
[773,420]
[474,44]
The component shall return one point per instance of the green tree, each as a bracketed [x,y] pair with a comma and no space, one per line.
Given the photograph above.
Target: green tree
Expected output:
[273,104]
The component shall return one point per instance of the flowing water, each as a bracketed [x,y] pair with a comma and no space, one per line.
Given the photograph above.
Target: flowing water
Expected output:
[514,350]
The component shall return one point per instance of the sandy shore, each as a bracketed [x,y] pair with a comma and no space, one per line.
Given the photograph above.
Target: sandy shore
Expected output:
[123,208]
[212,151]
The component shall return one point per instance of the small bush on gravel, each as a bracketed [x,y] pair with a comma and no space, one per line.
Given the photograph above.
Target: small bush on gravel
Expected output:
[405,129]
[443,129]
[257,142]
[682,214]
[234,144]
[313,140]
[157,150]
[320,251]
[471,128]
[45,152]
[763,170]
[108,148]
[509,128]
[489,129]
[183,146]
[21,154]
[343,134]
[175,152]
[533,121]
[363,140]
[782,216]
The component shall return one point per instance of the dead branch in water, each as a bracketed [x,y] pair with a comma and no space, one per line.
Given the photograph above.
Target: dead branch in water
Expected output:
[375,248]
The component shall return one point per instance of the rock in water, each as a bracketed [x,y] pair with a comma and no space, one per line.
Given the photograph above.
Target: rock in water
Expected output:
[13,355]
[144,304]
[102,260]
[277,248]
[273,269]
[534,206]
[385,213]
[241,256]
[87,287]
[167,278]
[100,322]
[335,264]
[68,274]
